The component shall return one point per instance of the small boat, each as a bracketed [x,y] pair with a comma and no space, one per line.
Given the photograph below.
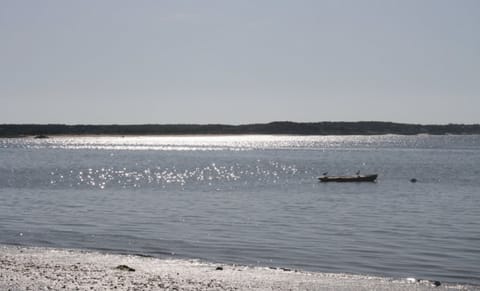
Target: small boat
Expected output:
[356,178]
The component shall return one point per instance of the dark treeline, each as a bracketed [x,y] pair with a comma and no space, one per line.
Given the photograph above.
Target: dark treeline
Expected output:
[294,128]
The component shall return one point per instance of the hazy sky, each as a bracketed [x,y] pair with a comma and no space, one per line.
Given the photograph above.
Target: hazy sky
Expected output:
[239,61]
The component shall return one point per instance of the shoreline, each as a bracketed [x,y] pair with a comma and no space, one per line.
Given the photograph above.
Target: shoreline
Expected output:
[34,268]
[276,127]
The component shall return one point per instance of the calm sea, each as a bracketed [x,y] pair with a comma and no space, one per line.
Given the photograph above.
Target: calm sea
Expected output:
[253,200]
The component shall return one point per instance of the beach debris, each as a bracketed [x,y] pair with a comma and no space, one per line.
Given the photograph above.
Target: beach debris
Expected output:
[282,269]
[436,283]
[412,280]
[219,268]
[124,268]
[432,283]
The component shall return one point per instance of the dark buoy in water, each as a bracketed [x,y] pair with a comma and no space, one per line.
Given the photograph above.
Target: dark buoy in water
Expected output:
[413,180]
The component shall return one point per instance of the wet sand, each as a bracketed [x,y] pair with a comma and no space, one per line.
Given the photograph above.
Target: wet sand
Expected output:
[61,269]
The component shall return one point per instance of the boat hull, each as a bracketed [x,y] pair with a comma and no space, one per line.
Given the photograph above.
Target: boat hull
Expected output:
[359,178]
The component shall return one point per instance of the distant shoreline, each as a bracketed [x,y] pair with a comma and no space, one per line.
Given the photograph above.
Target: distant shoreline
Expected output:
[272,128]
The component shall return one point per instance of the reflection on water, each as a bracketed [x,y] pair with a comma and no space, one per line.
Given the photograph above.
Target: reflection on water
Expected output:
[243,142]
[269,172]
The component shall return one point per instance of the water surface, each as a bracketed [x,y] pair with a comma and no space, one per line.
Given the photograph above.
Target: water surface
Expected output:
[253,200]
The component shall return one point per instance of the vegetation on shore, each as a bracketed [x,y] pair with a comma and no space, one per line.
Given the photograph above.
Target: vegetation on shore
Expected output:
[279,127]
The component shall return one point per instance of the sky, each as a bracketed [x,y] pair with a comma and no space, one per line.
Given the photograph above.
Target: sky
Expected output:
[234,62]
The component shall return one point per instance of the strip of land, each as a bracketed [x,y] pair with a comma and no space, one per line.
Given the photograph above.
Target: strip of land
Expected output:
[289,128]
[24,268]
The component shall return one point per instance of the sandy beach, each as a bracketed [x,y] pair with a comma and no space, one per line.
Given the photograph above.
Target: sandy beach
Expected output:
[24,268]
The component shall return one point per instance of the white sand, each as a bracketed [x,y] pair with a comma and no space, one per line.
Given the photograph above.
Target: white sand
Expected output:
[57,269]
